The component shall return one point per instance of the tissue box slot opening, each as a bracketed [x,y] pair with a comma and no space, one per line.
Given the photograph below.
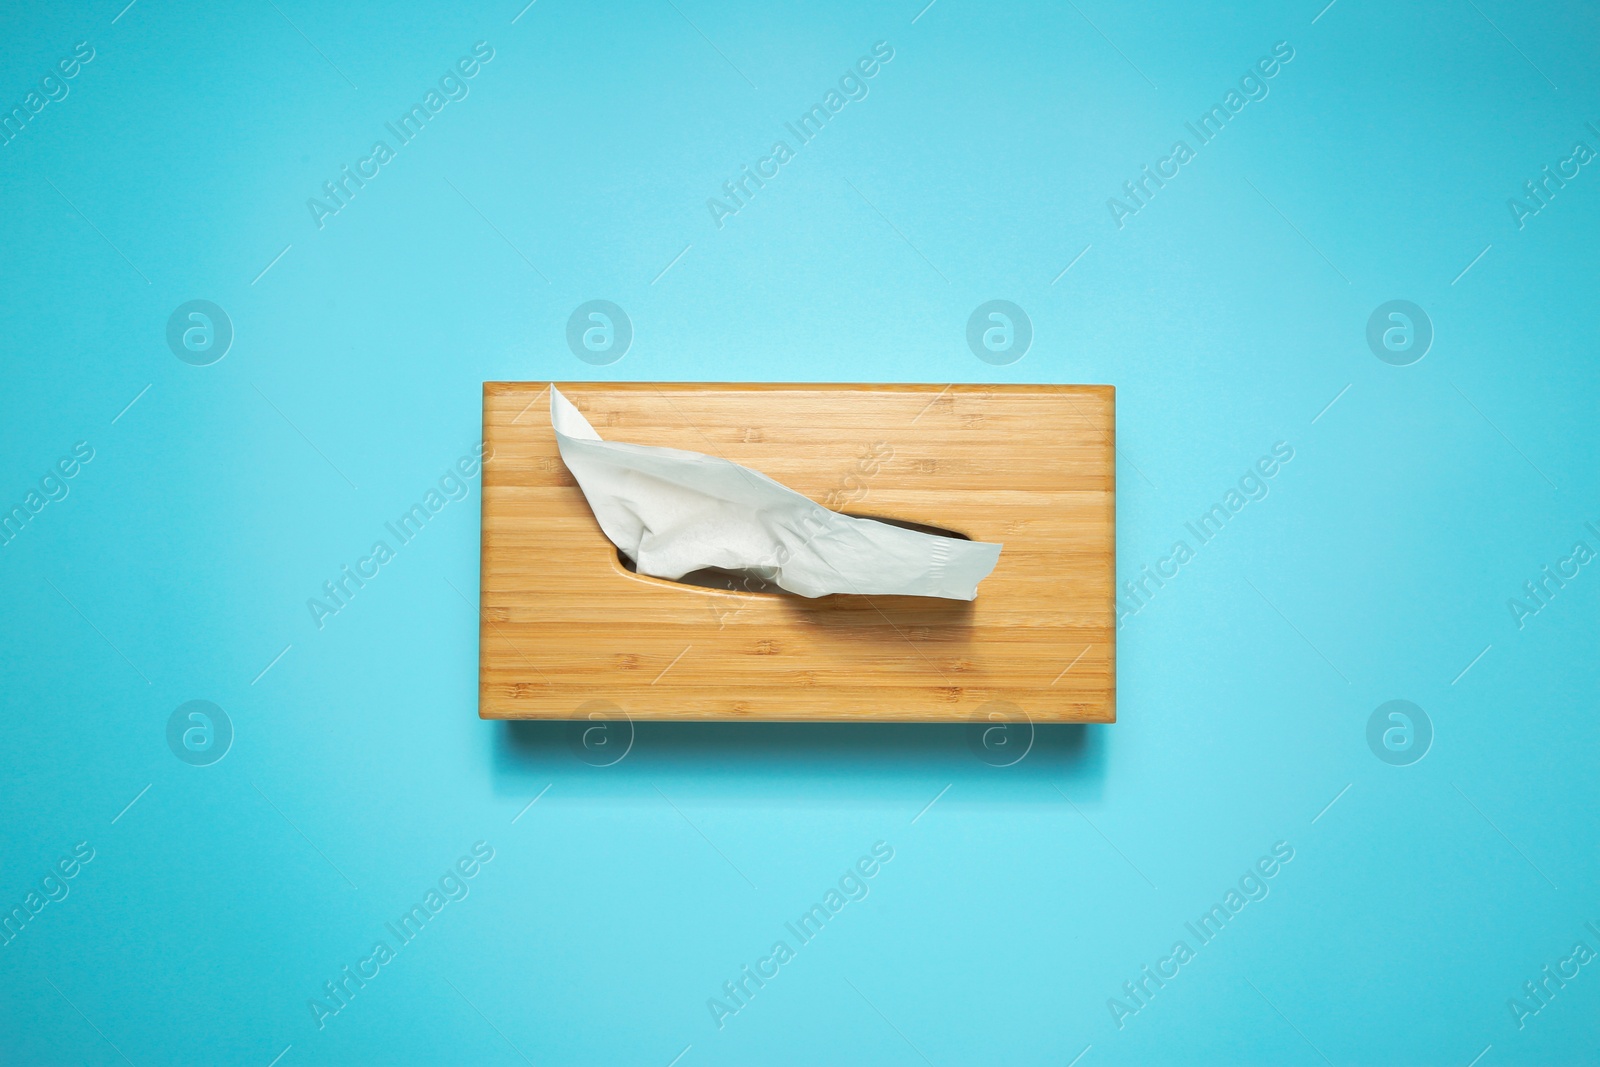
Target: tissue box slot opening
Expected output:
[750,582]
[715,578]
[919,527]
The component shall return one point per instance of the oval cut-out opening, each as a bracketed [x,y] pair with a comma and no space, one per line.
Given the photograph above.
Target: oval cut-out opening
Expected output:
[751,582]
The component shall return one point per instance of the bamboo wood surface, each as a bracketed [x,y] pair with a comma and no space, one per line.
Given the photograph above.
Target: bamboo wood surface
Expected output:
[566,630]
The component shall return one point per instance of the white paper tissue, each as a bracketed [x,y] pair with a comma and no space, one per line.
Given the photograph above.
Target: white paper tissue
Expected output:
[673,512]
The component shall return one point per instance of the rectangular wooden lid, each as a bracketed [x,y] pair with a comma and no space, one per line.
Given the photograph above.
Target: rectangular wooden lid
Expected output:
[568,631]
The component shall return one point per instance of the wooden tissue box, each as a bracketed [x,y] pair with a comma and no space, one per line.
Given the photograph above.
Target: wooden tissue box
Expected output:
[566,625]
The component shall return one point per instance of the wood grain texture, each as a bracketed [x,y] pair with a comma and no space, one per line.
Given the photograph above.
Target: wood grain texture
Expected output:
[564,624]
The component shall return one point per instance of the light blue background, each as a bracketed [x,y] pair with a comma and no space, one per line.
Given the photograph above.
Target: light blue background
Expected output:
[1229,313]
